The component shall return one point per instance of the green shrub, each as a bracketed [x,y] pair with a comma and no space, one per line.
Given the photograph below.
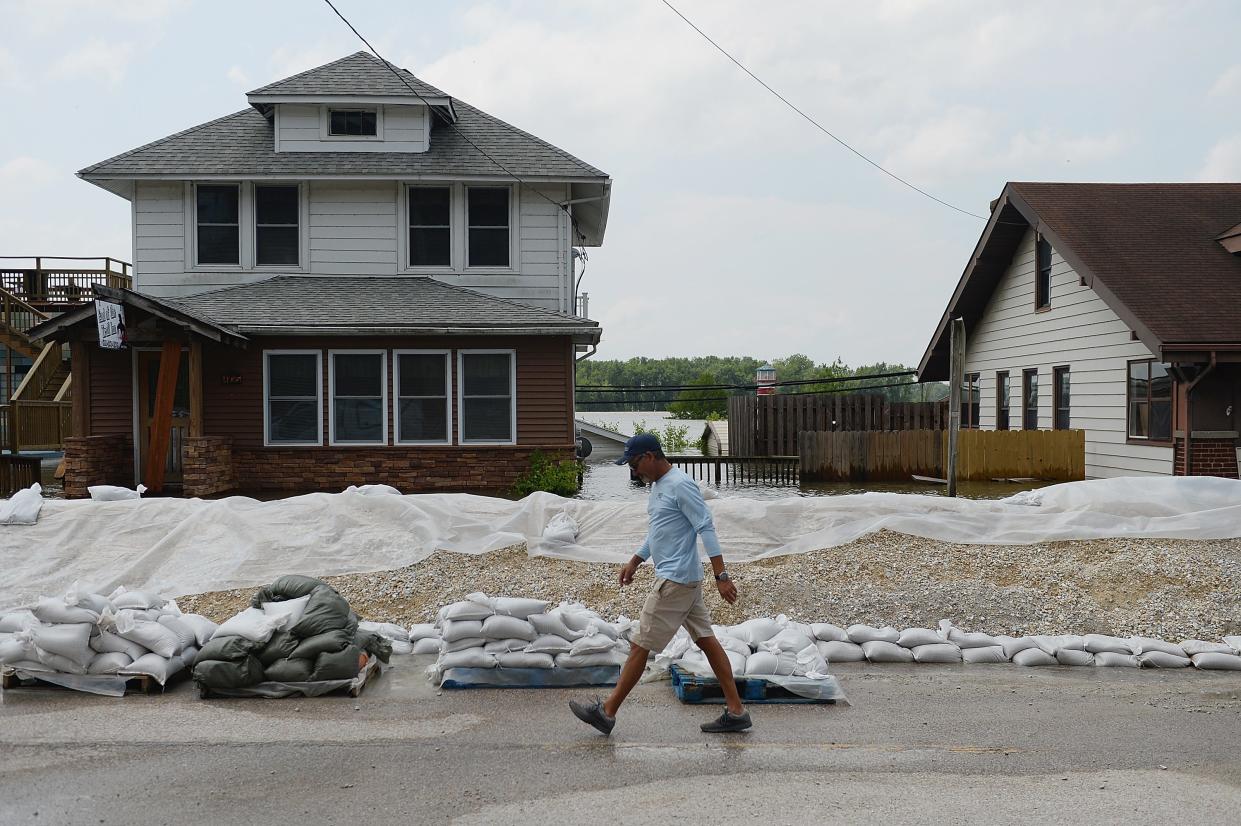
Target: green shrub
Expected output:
[673,438]
[558,477]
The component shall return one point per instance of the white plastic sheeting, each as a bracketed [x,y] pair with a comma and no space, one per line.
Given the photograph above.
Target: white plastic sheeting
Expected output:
[183,546]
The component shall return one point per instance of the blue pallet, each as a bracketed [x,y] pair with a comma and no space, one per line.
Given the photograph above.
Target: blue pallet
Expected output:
[529,677]
[694,689]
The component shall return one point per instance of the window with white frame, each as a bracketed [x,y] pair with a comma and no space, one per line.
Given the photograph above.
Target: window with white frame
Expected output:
[353,123]
[276,211]
[292,397]
[217,215]
[488,406]
[430,226]
[423,378]
[358,387]
[487,216]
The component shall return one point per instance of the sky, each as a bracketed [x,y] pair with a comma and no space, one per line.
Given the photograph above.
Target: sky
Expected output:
[736,227]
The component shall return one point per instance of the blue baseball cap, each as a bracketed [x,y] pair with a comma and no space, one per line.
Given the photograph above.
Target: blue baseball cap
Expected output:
[637,445]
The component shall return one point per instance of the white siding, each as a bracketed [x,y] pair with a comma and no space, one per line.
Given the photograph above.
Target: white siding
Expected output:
[1079,331]
[353,228]
[159,234]
[301,128]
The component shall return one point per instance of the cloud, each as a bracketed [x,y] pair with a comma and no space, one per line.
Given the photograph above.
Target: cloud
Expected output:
[1227,84]
[96,59]
[1223,161]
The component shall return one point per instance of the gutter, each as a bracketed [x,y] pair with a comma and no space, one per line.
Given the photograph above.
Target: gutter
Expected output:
[589,334]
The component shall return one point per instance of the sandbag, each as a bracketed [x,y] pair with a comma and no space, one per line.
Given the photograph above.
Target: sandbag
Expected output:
[593,644]
[915,637]
[402,647]
[325,611]
[549,644]
[1234,641]
[68,640]
[15,621]
[311,647]
[1034,656]
[885,651]
[519,607]
[290,609]
[757,630]
[151,635]
[387,630]
[16,650]
[987,654]
[501,627]
[203,627]
[590,660]
[937,652]
[1074,656]
[1193,647]
[781,663]
[577,616]
[281,646]
[839,651]
[1014,645]
[114,493]
[505,646]
[54,610]
[462,644]
[972,639]
[868,633]
[1143,645]
[520,659]
[423,631]
[1105,644]
[731,643]
[227,674]
[184,630]
[228,648]
[105,642]
[454,630]
[252,623]
[469,658]
[290,670]
[1216,661]
[793,638]
[287,587]
[607,629]
[153,665]
[137,600]
[108,663]
[1113,659]
[809,661]
[1051,643]
[826,632]
[467,610]
[427,645]
[1162,659]
[58,662]
[337,665]
[552,624]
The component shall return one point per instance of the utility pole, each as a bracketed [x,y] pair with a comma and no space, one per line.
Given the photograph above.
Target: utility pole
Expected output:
[957,377]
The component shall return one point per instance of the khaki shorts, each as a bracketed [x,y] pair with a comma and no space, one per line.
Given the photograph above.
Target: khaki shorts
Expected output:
[670,606]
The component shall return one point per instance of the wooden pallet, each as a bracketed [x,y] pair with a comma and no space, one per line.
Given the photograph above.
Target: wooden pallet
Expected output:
[134,684]
[691,688]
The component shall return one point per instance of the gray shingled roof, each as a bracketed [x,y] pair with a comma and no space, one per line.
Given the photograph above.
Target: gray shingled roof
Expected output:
[368,303]
[361,73]
[243,144]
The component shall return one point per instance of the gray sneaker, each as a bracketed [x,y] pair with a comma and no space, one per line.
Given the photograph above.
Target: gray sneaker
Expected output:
[727,722]
[594,714]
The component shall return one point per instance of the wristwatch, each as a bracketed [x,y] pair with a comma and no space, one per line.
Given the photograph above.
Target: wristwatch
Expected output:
[722,576]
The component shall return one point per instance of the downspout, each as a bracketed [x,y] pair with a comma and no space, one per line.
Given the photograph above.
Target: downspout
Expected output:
[1189,412]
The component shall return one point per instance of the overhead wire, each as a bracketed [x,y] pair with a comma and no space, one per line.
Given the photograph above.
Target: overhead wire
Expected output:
[788,383]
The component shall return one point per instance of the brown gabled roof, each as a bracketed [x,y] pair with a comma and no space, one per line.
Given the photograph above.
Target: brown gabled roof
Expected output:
[1149,250]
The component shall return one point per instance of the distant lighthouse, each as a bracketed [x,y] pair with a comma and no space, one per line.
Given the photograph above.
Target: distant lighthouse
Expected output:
[766,380]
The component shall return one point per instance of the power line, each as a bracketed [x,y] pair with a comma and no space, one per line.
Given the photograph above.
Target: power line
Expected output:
[453,126]
[620,388]
[815,123]
[661,400]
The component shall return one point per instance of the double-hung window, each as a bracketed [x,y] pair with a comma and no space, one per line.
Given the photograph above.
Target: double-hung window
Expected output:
[488,390]
[217,211]
[1029,399]
[276,211]
[1150,401]
[430,226]
[1003,397]
[423,378]
[1060,392]
[488,214]
[358,385]
[293,401]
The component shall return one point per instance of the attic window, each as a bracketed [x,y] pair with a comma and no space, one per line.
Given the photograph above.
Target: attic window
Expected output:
[354,123]
[1042,279]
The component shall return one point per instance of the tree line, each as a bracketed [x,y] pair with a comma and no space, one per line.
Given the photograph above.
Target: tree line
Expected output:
[705,371]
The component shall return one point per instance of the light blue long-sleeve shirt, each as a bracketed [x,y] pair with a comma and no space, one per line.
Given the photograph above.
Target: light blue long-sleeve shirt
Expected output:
[679,516]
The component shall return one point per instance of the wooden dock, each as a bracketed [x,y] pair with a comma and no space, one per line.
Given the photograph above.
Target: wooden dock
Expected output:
[722,470]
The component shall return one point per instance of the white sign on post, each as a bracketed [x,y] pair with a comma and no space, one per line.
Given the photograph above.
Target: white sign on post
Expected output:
[110,319]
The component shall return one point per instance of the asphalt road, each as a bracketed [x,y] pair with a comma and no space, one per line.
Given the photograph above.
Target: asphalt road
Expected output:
[919,744]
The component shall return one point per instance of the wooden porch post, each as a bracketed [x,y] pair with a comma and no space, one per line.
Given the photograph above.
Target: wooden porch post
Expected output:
[957,363]
[161,423]
[79,371]
[196,388]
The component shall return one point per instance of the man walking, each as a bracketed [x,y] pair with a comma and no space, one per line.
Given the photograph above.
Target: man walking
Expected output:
[678,517]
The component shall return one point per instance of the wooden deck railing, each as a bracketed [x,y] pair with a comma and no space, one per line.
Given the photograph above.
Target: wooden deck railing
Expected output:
[53,287]
[42,372]
[35,425]
[17,472]
[16,314]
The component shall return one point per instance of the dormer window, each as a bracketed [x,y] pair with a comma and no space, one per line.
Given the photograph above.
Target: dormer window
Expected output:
[353,123]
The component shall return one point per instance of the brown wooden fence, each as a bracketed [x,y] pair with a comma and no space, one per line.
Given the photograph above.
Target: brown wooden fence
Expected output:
[17,472]
[982,455]
[770,425]
[35,425]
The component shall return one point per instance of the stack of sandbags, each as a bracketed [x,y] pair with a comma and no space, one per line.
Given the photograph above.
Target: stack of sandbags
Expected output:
[297,630]
[760,647]
[514,632]
[128,633]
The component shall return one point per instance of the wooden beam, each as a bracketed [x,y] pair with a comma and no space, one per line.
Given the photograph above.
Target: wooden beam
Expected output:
[79,374]
[196,387]
[161,422]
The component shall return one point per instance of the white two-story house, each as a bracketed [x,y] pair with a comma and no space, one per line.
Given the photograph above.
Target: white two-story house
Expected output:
[356,278]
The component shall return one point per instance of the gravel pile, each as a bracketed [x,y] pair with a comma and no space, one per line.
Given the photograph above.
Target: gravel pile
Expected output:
[1171,589]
